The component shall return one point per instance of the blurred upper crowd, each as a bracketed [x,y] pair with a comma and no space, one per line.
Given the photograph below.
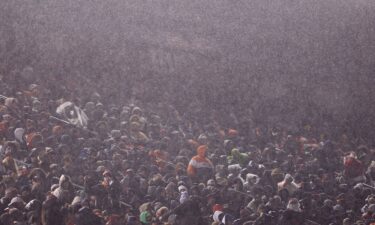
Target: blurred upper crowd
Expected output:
[136,162]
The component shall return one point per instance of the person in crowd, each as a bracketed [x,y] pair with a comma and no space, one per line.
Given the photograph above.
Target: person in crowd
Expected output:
[153,162]
[200,167]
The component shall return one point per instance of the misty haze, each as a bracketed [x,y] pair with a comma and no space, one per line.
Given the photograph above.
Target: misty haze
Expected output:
[134,112]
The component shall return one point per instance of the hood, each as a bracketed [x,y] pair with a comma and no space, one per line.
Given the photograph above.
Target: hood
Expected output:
[18,134]
[63,179]
[252,178]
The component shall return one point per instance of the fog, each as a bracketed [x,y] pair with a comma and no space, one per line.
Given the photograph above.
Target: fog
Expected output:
[187,112]
[284,62]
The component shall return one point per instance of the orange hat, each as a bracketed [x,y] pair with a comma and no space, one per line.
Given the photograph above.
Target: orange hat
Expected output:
[232,132]
[201,150]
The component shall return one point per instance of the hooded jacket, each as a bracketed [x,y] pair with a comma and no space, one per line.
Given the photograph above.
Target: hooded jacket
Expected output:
[62,194]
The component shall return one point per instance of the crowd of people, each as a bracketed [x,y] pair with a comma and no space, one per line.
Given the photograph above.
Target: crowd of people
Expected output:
[135,162]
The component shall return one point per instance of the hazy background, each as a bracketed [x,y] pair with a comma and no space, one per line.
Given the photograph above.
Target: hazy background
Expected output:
[282,61]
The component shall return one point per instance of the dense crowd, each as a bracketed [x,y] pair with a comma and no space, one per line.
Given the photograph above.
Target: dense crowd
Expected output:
[137,162]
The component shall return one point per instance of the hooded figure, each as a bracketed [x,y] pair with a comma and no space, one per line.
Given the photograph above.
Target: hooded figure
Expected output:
[199,166]
[184,195]
[19,134]
[64,193]
[238,157]
[251,181]
[288,184]
[188,213]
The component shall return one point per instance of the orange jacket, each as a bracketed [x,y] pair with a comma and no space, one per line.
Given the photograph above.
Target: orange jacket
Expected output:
[199,161]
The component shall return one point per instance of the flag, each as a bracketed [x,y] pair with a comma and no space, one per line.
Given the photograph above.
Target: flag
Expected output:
[73,114]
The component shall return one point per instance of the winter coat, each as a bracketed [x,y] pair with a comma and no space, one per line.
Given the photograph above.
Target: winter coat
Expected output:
[85,216]
[51,212]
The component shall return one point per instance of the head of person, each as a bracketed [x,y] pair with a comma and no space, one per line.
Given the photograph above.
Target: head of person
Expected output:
[201,150]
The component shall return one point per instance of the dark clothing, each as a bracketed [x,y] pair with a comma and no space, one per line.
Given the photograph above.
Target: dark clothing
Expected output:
[85,216]
[188,213]
[290,217]
[51,212]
